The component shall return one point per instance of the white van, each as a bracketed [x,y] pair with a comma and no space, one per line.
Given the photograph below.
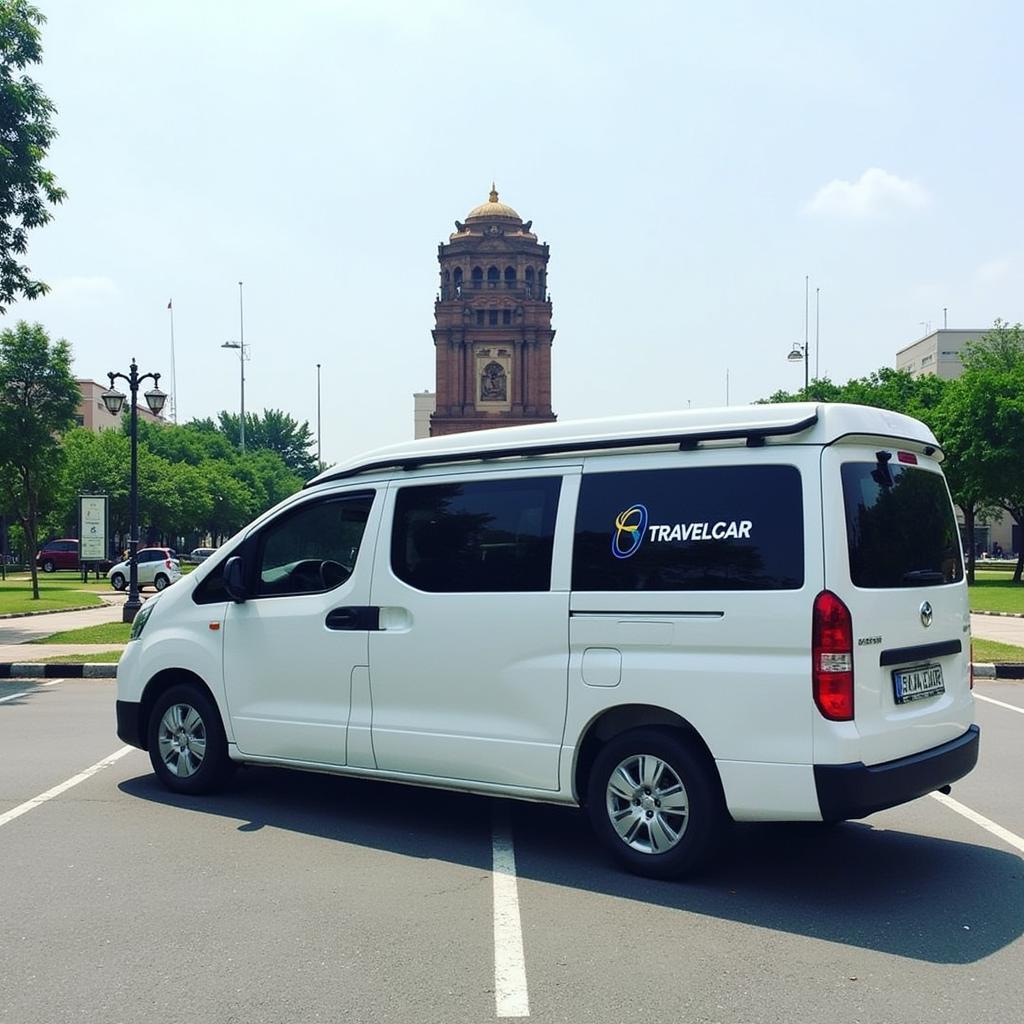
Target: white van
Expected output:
[754,613]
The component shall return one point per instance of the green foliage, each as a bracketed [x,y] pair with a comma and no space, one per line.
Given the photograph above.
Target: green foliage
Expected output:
[38,399]
[192,482]
[25,136]
[274,431]
[884,388]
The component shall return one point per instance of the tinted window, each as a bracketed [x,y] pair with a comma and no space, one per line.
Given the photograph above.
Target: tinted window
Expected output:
[714,528]
[900,528]
[480,536]
[312,549]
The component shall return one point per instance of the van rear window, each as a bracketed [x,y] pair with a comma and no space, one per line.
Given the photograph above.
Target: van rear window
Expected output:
[700,528]
[900,528]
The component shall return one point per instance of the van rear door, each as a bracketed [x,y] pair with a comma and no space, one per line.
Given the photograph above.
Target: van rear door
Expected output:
[892,554]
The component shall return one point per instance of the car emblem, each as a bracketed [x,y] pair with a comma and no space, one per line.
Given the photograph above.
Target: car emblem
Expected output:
[926,614]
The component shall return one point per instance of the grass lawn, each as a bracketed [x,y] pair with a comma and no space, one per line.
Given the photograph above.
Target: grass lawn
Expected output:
[992,650]
[100,657]
[16,594]
[995,592]
[105,633]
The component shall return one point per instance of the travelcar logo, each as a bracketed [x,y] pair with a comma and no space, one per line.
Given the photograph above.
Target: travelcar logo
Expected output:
[628,534]
[631,525]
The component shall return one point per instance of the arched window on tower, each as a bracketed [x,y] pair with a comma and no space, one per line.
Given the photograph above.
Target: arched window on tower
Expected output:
[540,285]
[446,291]
[457,280]
[529,282]
[478,277]
[510,277]
[493,277]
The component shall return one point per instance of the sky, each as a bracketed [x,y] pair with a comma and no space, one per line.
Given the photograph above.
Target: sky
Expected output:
[689,164]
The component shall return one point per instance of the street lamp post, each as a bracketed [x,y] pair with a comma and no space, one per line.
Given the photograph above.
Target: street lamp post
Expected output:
[241,361]
[114,401]
[800,353]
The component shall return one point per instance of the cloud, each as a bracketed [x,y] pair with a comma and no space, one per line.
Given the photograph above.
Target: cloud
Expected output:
[875,194]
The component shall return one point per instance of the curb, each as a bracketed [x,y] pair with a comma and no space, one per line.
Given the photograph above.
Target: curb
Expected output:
[1003,615]
[54,611]
[76,670]
[1004,670]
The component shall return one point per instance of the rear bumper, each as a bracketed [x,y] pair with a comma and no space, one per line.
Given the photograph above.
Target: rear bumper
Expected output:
[856,790]
[129,723]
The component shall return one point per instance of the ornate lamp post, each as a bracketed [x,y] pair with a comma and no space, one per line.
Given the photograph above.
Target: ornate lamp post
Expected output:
[114,401]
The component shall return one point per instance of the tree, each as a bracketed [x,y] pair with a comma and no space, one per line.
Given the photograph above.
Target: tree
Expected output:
[274,431]
[38,399]
[25,136]
[992,415]
[884,388]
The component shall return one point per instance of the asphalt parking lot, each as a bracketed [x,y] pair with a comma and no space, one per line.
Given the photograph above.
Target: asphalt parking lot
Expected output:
[295,897]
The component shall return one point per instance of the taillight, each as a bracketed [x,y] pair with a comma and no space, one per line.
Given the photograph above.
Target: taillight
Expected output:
[168,563]
[970,668]
[832,657]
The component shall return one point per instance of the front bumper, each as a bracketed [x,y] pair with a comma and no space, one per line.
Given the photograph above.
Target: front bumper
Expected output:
[129,723]
[855,790]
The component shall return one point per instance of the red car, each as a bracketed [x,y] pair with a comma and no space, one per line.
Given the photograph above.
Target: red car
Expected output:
[63,554]
[58,554]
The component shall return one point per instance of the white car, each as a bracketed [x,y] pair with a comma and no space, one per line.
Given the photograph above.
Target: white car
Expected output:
[157,568]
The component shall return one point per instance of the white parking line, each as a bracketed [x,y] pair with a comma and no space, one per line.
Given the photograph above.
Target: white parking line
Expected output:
[21,693]
[511,998]
[979,819]
[28,805]
[1002,704]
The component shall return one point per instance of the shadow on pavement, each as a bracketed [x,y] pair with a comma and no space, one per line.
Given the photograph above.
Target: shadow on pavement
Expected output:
[928,899]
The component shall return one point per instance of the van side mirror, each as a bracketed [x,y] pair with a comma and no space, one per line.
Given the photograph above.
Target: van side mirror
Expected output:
[234,579]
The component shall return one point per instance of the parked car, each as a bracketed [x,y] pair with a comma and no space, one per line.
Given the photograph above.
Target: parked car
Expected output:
[58,554]
[157,567]
[673,620]
[63,554]
[199,555]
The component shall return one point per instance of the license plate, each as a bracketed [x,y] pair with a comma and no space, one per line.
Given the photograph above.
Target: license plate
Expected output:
[917,683]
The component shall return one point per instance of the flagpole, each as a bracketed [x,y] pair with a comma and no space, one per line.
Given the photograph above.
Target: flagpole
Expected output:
[174,376]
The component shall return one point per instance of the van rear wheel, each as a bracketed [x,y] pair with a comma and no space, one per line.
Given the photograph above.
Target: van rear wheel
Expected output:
[654,802]
[187,746]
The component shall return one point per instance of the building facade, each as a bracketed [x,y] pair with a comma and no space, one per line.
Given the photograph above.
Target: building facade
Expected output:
[93,414]
[492,324]
[937,353]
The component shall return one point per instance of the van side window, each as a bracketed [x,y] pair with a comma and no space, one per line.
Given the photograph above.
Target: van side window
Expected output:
[702,528]
[476,537]
[314,548]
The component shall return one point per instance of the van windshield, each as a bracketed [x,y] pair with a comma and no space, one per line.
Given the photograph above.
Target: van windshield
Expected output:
[900,528]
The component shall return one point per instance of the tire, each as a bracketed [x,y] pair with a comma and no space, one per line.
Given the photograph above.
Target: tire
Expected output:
[117,581]
[187,745]
[161,582]
[49,566]
[672,825]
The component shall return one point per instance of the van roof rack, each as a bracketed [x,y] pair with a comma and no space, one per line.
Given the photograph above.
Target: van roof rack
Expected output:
[685,429]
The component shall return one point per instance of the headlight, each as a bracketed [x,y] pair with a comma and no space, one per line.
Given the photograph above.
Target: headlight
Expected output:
[141,619]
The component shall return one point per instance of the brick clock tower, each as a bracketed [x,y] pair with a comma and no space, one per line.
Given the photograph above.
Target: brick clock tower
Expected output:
[492,324]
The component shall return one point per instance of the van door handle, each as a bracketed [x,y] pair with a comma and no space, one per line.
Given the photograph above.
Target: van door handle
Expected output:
[354,617]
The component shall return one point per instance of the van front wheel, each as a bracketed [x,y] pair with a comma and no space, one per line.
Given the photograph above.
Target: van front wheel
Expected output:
[187,745]
[655,804]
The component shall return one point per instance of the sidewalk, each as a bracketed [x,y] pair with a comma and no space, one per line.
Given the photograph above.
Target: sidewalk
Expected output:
[1004,628]
[16,634]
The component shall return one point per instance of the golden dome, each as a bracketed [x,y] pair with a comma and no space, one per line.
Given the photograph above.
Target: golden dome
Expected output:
[492,208]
